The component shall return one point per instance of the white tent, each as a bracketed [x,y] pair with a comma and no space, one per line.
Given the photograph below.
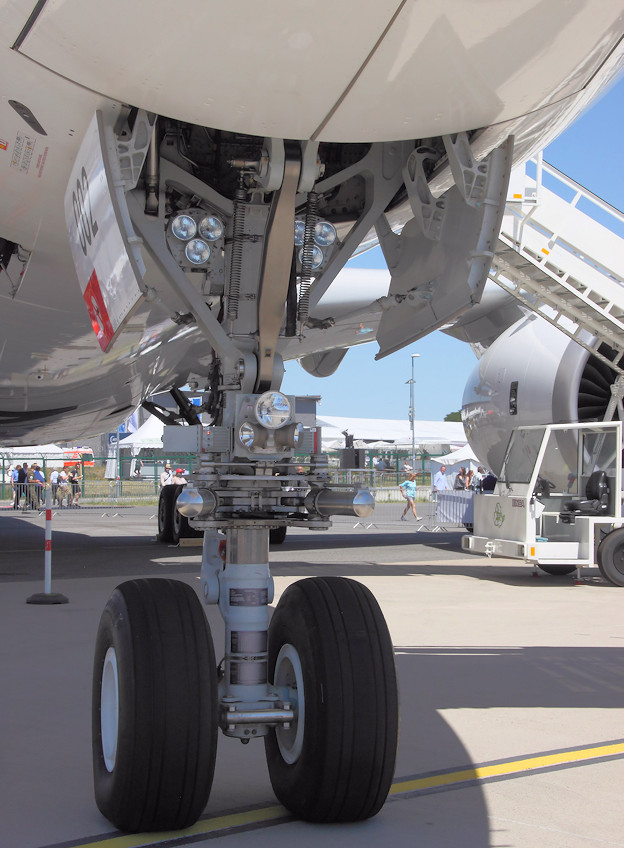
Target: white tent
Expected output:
[455,460]
[367,432]
[462,456]
[148,435]
[382,432]
[10,456]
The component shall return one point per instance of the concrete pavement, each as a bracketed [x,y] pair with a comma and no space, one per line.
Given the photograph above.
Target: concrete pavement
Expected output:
[512,691]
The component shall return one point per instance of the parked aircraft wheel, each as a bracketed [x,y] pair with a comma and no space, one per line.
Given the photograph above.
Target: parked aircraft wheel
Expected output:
[166,510]
[610,557]
[331,656]
[154,707]
[557,569]
[277,535]
[172,525]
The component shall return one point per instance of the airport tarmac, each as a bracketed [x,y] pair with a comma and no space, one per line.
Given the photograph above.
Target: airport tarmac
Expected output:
[512,691]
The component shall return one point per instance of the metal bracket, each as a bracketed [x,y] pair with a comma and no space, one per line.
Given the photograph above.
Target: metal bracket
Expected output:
[428,210]
[132,148]
[470,176]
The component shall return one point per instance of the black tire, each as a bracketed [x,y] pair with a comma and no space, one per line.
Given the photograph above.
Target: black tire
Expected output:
[339,766]
[558,570]
[610,557]
[277,535]
[166,510]
[154,708]
[172,525]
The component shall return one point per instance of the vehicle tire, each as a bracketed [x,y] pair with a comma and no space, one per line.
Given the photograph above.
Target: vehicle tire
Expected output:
[331,656]
[154,710]
[277,535]
[557,569]
[166,511]
[172,525]
[610,557]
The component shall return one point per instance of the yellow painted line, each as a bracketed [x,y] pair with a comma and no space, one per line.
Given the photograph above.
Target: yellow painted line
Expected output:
[508,768]
[263,815]
[201,828]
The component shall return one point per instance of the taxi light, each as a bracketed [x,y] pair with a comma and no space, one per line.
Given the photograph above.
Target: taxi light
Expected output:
[251,436]
[273,410]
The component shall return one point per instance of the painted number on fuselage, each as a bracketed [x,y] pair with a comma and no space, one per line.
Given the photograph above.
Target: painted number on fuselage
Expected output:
[83,215]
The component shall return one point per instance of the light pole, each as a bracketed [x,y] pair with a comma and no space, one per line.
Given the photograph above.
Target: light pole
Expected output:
[411,411]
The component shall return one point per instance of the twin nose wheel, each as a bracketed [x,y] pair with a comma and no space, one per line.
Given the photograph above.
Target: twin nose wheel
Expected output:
[155,704]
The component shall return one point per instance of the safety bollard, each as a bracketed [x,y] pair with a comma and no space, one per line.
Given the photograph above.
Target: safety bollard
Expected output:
[47,596]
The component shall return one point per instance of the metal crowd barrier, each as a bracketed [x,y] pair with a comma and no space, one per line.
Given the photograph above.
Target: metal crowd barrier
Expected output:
[436,511]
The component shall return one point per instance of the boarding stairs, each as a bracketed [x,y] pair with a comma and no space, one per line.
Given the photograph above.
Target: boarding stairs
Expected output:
[561,253]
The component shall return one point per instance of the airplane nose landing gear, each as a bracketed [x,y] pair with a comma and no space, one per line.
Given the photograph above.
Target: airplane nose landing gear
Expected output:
[318,683]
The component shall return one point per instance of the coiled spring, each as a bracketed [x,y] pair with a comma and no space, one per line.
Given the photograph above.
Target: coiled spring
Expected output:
[236,260]
[311,219]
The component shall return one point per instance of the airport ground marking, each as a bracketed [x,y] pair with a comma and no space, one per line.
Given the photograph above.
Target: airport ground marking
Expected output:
[507,768]
[257,817]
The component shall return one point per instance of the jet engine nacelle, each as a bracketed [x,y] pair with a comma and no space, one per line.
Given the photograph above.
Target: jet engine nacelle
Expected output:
[531,374]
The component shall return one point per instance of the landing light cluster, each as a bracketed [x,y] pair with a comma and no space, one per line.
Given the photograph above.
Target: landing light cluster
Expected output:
[194,230]
[324,236]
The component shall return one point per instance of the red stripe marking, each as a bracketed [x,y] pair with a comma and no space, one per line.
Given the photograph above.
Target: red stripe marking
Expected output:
[48,544]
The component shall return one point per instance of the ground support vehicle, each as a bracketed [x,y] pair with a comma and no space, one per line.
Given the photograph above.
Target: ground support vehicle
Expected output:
[558,501]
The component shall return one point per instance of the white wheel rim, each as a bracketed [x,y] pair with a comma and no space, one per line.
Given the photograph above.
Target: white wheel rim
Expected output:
[109,709]
[288,679]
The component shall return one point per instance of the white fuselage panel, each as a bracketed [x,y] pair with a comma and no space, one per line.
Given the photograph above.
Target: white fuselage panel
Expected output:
[346,71]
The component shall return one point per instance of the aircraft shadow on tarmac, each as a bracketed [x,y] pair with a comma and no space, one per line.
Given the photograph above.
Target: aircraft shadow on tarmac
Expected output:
[81,554]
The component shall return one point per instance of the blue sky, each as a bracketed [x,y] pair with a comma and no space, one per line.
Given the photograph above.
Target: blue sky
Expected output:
[591,152]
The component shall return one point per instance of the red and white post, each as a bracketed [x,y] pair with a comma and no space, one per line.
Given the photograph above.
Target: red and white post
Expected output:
[47,596]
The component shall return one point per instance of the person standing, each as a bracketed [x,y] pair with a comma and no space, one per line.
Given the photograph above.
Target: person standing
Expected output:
[21,486]
[64,489]
[38,486]
[408,490]
[440,483]
[166,478]
[13,477]
[461,480]
[74,479]
[54,484]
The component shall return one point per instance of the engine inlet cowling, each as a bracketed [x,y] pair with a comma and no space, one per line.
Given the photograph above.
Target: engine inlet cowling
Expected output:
[531,374]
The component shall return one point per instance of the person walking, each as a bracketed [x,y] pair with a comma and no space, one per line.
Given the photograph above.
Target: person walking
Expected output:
[408,490]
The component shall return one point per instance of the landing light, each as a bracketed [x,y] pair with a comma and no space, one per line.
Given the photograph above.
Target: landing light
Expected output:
[299,232]
[324,234]
[211,228]
[317,256]
[197,251]
[183,227]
